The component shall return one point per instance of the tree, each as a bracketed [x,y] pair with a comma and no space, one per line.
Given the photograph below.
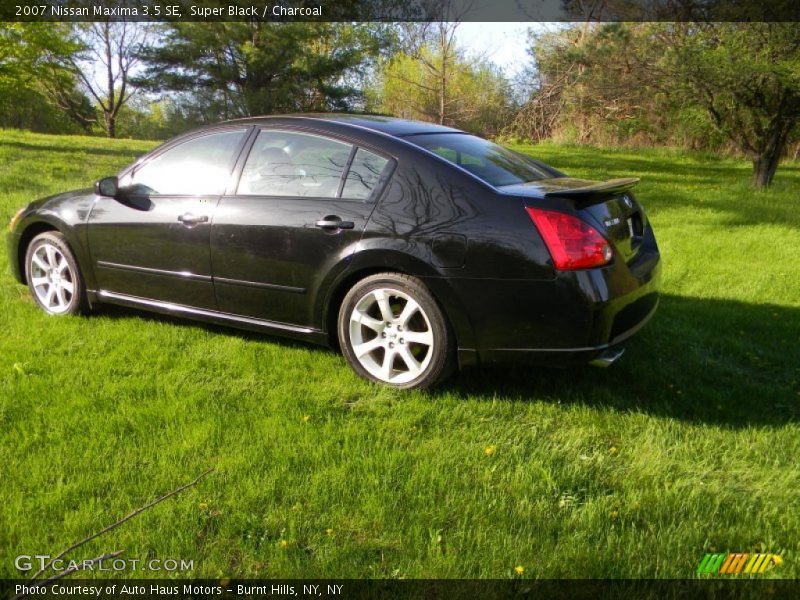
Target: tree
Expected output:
[433,46]
[705,85]
[437,58]
[245,68]
[38,81]
[114,47]
[747,77]
[430,78]
[477,95]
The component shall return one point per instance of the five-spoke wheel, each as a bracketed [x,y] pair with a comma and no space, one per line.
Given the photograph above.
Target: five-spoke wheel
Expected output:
[391,330]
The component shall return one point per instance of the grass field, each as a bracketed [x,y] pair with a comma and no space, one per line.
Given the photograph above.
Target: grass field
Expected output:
[690,442]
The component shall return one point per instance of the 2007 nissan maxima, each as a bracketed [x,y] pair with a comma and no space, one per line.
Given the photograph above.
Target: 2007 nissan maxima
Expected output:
[415,248]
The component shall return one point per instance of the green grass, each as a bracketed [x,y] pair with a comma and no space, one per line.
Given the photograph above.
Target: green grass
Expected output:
[690,442]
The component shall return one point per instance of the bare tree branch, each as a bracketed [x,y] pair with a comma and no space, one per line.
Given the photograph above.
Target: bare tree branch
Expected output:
[116,524]
[115,47]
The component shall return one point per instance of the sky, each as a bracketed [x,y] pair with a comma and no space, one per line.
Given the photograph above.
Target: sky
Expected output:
[505,44]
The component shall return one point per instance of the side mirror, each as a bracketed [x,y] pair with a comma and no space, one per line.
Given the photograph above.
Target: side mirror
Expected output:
[107,186]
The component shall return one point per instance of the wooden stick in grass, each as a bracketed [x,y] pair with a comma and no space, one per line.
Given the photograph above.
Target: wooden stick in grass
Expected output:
[77,567]
[120,522]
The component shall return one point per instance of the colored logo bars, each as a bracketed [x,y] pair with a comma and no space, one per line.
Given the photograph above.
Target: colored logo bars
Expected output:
[733,563]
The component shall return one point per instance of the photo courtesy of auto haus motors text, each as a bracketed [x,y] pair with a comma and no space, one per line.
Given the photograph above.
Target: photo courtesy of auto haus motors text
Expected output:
[184,590]
[373,300]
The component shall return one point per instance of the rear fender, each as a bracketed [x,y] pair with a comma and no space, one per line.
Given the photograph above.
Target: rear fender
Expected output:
[368,261]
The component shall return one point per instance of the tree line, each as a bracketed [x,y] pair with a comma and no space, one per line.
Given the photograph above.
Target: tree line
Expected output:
[721,87]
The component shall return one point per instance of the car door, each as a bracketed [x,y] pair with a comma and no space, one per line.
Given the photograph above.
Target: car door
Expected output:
[153,240]
[302,202]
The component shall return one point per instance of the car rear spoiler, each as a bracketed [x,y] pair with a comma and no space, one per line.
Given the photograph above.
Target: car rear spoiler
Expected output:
[612,186]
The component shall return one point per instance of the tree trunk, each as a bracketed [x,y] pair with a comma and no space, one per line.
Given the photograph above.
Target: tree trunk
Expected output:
[441,96]
[443,82]
[766,163]
[763,172]
[112,126]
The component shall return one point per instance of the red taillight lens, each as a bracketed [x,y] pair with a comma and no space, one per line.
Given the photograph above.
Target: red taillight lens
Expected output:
[572,243]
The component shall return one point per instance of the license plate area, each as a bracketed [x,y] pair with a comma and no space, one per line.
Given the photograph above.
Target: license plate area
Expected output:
[635,225]
[635,233]
[623,224]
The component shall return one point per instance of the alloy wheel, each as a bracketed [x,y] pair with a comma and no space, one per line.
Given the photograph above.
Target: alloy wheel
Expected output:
[391,335]
[52,280]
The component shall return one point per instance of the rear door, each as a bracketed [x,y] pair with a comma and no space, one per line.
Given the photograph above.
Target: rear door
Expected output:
[302,202]
[153,242]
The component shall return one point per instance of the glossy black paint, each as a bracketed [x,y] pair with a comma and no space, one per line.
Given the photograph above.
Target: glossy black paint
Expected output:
[139,248]
[264,263]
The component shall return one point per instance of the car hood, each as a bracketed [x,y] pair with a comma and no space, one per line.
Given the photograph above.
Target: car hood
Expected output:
[61,198]
[69,208]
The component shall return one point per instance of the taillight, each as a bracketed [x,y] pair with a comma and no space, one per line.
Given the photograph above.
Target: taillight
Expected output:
[572,243]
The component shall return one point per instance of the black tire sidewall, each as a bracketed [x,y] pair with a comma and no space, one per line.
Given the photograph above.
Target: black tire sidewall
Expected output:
[441,364]
[78,301]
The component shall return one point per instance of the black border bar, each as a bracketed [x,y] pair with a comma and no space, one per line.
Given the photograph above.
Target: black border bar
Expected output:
[410,589]
[402,10]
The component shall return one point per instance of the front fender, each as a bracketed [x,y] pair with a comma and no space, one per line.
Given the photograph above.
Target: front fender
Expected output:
[65,213]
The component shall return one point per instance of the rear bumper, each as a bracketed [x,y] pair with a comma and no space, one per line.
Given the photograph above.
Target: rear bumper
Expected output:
[600,355]
[572,319]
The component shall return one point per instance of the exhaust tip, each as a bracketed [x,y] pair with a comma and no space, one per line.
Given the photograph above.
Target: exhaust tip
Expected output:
[607,357]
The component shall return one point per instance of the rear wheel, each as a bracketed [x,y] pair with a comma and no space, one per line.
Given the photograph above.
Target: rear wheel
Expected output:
[392,331]
[53,275]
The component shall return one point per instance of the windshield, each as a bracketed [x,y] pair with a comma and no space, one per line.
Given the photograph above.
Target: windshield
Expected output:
[494,164]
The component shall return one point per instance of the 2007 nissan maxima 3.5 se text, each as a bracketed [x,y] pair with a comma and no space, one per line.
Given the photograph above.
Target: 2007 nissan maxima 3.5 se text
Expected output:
[415,248]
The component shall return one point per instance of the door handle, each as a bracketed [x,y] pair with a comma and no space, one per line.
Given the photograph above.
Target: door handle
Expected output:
[334,222]
[189,219]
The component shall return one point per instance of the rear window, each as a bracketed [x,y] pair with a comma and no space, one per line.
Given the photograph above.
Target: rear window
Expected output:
[494,164]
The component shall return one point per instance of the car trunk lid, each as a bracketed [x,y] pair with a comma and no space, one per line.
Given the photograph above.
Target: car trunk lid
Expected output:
[609,206]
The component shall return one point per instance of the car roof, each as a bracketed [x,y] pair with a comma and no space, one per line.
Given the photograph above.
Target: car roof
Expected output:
[383,124]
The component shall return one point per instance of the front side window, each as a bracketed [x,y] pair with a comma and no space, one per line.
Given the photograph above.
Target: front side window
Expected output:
[494,164]
[200,166]
[288,163]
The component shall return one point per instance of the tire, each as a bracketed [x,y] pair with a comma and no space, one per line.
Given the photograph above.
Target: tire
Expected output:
[53,275]
[391,330]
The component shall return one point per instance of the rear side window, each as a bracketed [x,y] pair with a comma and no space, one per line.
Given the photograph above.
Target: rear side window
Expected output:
[286,163]
[494,164]
[364,174]
[200,166]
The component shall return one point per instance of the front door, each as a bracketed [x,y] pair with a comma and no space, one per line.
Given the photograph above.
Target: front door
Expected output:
[153,241]
[300,207]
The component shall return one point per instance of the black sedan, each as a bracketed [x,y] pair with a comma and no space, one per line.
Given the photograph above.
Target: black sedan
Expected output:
[413,247]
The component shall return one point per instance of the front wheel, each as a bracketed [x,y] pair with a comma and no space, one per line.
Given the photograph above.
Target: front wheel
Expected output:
[53,275]
[392,331]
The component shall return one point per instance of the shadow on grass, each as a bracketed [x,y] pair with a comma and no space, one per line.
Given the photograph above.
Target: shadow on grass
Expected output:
[715,361]
[79,151]
[693,184]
